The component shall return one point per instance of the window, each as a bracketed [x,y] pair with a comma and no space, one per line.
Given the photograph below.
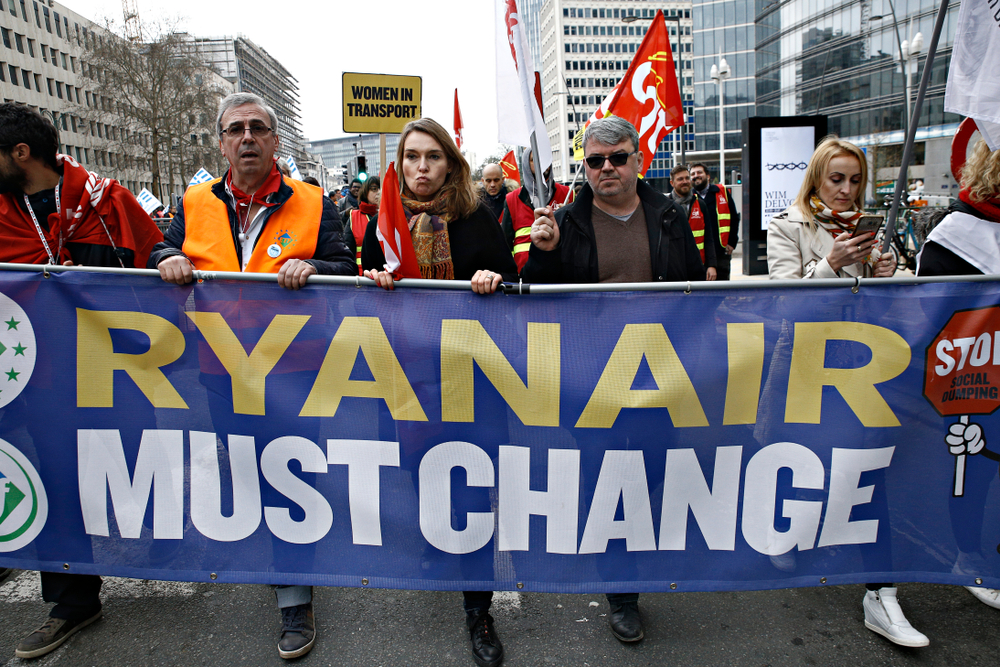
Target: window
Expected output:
[13,74]
[6,37]
[11,8]
[59,91]
[19,42]
[3,76]
[48,24]
[31,47]
[26,77]
[49,82]
[38,21]
[58,24]
[64,63]
[24,11]
[73,121]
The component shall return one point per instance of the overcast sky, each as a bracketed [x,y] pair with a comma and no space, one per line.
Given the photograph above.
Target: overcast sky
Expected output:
[448,43]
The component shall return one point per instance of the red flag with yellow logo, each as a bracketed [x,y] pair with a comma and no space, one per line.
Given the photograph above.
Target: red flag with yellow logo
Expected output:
[509,167]
[647,96]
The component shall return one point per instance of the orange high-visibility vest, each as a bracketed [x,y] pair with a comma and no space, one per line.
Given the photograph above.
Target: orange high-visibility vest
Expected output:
[696,219]
[291,231]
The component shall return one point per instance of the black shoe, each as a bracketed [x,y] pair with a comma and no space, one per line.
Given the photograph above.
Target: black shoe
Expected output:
[51,635]
[298,631]
[625,623]
[486,647]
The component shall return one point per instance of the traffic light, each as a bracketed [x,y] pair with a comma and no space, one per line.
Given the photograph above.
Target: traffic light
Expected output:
[362,174]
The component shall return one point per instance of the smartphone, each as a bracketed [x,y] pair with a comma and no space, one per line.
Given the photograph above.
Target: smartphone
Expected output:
[868,223]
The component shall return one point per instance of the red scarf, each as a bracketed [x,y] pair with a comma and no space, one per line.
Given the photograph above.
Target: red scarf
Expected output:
[367,209]
[267,188]
[990,208]
[93,210]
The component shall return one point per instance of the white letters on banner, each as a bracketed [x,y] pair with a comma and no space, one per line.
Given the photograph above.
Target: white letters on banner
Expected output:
[159,472]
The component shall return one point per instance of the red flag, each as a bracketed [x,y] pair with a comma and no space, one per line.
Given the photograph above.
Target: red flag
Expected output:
[509,167]
[458,123]
[393,232]
[647,96]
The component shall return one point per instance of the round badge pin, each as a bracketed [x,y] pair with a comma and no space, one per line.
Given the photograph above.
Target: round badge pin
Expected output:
[24,507]
[273,250]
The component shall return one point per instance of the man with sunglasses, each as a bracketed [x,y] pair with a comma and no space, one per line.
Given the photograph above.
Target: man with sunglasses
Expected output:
[619,230]
[254,220]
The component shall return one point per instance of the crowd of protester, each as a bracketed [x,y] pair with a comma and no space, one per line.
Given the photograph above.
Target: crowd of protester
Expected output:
[615,228]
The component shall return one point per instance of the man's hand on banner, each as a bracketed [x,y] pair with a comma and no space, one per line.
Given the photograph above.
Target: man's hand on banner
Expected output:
[486,282]
[176,269]
[294,273]
[544,231]
[965,438]
[711,273]
[382,278]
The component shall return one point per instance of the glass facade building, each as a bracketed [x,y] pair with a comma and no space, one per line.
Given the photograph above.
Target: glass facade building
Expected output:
[586,49]
[723,29]
[843,61]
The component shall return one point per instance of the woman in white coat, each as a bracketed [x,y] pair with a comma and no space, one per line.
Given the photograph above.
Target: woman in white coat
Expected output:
[812,239]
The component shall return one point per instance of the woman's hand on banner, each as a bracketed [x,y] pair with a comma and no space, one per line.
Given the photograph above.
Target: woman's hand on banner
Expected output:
[885,267]
[382,278]
[486,282]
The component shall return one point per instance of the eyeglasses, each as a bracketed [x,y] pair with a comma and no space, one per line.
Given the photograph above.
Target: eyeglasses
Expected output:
[616,159]
[256,129]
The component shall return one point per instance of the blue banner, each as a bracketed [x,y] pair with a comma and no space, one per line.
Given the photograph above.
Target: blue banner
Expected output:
[589,442]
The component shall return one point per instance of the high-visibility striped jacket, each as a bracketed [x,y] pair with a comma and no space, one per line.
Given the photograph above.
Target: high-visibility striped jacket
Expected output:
[519,214]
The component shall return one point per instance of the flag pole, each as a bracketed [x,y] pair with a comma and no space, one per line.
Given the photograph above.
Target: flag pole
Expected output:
[911,129]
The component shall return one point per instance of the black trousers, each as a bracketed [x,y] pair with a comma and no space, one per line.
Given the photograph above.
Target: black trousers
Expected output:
[76,596]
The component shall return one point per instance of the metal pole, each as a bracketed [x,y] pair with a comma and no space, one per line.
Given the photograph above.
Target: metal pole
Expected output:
[911,131]
[722,128]
[680,84]
[899,43]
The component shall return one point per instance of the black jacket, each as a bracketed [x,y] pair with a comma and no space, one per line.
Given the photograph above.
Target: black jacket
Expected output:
[495,202]
[477,244]
[331,257]
[672,249]
[709,208]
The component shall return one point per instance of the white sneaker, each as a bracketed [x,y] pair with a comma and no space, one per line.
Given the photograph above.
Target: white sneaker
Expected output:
[989,596]
[884,616]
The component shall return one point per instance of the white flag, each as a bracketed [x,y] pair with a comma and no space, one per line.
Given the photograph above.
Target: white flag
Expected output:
[201,177]
[148,201]
[293,168]
[519,115]
[974,75]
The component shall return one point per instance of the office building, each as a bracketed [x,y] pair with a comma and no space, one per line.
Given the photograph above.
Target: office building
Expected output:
[586,49]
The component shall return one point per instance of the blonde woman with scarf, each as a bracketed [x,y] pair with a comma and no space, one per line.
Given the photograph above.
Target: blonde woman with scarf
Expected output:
[812,238]
[454,234]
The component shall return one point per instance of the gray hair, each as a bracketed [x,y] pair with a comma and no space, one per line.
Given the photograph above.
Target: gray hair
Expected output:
[241,99]
[611,130]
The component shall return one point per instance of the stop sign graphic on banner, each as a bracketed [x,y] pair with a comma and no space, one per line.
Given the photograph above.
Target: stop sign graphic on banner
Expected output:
[962,376]
[962,373]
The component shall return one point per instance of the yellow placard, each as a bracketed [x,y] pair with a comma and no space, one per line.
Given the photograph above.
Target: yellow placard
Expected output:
[380,103]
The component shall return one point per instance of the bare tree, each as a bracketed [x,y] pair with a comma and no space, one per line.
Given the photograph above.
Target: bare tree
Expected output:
[162,98]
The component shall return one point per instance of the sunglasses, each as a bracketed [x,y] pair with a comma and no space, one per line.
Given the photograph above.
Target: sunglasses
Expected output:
[616,159]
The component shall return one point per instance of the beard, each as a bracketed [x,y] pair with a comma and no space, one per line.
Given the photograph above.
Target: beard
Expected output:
[12,180]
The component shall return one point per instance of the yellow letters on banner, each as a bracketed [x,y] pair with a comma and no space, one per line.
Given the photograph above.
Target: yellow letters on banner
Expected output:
[248,373]
[97,361]
[808,373]
[746,368]
[465,343]
[333,381]
[614,389]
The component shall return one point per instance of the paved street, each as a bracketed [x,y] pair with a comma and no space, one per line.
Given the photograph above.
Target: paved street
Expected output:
[165,623]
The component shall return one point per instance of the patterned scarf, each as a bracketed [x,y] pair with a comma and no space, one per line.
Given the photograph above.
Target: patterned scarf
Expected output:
[841,221]
[428,221]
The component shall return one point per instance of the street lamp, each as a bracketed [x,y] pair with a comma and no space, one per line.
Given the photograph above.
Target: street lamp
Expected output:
[720,73]
[908,49]
[576,115]
[680,83]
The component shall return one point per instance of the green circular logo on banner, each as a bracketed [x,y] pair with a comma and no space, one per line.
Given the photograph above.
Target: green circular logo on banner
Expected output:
[24,506]
[17,350]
